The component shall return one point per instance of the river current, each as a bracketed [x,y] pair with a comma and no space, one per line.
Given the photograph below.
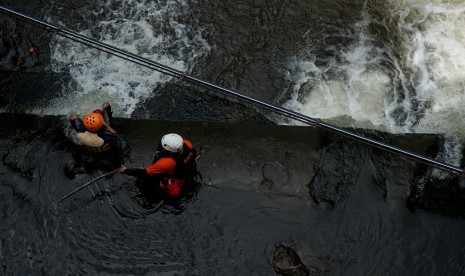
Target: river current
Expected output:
[394,66]
[390,65]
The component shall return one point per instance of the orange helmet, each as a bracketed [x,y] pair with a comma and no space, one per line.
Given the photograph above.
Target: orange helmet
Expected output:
[93,121]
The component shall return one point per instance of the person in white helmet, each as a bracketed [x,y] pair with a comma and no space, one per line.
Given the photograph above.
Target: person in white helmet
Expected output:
[173,165]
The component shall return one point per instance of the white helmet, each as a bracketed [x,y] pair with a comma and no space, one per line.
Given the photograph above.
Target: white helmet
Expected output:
[172,142]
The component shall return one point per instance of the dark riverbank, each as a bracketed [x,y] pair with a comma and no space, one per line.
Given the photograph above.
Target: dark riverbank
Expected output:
[340,205]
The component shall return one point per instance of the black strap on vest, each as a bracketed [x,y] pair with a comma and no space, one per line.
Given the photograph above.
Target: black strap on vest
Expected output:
[185,163]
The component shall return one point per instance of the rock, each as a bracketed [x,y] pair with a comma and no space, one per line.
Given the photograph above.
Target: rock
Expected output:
[445,196]
[196,106]
[3,48]
[335,176]
[275,176]
[286,262]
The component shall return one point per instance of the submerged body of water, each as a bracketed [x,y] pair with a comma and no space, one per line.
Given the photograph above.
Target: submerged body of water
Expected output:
[394,66]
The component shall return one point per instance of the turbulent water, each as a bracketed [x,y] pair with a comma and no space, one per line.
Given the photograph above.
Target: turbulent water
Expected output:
[394,66]
[154,30]
[400,69]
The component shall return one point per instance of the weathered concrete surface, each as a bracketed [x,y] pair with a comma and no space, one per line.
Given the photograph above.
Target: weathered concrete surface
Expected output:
[286,160]
[294,161]
[245,155]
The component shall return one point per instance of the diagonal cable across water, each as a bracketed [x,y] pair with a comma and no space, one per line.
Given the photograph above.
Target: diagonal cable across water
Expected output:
[230,93]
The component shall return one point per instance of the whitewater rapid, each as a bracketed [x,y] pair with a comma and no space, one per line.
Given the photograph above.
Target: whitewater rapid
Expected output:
[401,72]
[151,29]
[411,80]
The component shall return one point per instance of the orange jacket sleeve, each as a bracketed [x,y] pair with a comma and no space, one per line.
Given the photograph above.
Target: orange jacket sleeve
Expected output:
[164,165]
[189,144]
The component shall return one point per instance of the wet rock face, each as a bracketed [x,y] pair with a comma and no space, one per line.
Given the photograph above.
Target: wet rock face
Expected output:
[275,176]
[21,47]
[437,192]
[20,158]
[3,44]
[21,149]
[286,262]
[342,166]
[195,105]
[334,173]
[26,81]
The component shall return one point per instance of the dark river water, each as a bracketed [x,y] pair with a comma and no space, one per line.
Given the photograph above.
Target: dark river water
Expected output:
[344,208]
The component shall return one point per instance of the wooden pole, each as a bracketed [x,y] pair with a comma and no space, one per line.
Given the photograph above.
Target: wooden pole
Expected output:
[87,184]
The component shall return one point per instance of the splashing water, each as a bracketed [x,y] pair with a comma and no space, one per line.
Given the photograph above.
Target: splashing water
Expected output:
[436,53]
[151,29]
[412,81]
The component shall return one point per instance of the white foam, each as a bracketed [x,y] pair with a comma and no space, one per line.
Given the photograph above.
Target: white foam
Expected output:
[352,86]
[423,89]
[146,28]
[437,53]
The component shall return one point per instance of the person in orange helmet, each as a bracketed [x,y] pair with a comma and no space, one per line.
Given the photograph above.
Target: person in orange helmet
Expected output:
[94,131]
[173,166]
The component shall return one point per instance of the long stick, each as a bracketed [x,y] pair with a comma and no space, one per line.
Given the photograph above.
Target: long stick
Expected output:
[87,184]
